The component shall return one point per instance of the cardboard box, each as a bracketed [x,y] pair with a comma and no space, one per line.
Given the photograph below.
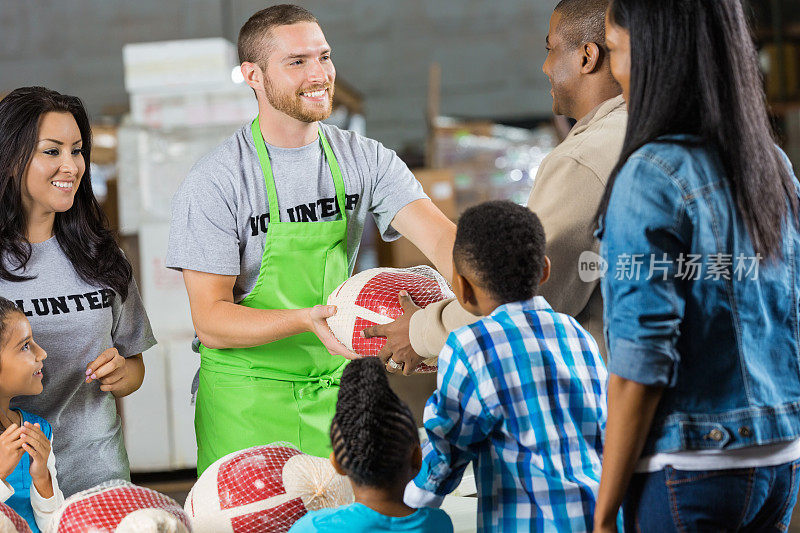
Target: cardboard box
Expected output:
[400,254]
[104,144]
[414,390]
[439,185]
[782,71]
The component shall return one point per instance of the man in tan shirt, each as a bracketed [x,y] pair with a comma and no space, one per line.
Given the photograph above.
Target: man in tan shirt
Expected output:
[566,192]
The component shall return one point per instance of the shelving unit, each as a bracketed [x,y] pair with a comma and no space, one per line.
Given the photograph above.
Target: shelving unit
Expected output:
[776,28]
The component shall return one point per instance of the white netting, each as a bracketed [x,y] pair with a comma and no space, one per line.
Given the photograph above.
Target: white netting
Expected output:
[117,506]
[11,522]
[264,489]
[370,297]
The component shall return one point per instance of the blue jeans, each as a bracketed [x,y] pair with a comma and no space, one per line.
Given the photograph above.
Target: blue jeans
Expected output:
[747,499]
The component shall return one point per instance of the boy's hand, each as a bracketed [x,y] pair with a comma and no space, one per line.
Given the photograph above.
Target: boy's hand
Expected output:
[37,445]
[398,344]
[109,368]
[10,450]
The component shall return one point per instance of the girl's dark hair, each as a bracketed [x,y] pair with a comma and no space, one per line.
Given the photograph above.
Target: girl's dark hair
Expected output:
[81,231]
[7,307]
[373,432]
[694,70]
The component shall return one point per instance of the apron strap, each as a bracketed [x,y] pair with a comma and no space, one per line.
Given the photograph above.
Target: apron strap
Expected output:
[338,180]
[269,180]
[266,169]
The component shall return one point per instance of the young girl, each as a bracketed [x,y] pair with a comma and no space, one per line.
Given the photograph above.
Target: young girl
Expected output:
[376,444]
[27,466]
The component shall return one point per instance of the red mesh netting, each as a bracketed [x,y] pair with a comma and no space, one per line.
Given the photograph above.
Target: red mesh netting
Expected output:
[252,475]
[103,508]
[11,522]
[370,298]
[263,489]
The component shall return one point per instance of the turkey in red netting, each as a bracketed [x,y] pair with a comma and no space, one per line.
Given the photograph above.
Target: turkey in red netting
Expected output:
[11,522]
[264,489]
[121,507]
[370,297]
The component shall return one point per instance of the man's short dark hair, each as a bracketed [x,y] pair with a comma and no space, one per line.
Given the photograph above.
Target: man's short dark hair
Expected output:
[502,243]
[582,21]
[254,35]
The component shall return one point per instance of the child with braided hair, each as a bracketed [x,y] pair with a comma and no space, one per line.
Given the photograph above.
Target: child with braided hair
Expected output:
[376,444]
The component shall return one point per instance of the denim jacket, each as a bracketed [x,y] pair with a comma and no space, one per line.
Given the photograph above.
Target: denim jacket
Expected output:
[689,306]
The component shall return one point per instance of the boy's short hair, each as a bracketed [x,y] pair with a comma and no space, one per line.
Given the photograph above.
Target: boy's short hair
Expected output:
[502,243]
[373,431]
[254,37]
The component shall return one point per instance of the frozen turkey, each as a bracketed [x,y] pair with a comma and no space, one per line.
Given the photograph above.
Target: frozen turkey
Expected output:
[264,489]
[121,507]
[370,297]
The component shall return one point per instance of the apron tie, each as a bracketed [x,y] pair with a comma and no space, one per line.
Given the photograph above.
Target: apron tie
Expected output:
[310,390]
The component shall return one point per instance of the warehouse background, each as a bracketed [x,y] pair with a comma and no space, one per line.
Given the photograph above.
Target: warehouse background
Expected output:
[491,52]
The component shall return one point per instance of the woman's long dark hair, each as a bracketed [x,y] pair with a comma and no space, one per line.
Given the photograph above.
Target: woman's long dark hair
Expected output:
[694,70]
[81,231]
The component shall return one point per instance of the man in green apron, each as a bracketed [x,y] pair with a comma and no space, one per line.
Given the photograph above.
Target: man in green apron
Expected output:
[266,226]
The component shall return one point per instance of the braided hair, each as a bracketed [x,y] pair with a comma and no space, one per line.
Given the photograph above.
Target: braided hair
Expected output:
[7,307]
[373,432]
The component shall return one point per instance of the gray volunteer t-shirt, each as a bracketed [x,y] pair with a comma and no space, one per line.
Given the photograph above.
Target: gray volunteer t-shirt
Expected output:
[75,322]
[220,212]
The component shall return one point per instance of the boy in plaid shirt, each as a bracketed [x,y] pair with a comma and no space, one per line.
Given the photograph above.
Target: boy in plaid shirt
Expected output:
[521,392]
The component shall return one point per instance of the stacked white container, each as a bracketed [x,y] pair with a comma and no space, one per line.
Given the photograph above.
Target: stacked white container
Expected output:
[184,102]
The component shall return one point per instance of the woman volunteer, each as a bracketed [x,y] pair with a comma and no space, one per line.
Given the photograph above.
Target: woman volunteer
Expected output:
[60,264]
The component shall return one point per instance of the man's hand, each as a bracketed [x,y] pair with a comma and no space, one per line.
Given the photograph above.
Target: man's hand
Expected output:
[37,445]
[10,450]
[318,325]
[398,344]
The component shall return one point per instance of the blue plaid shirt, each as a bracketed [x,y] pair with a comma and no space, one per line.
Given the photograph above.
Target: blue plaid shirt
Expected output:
[522,393]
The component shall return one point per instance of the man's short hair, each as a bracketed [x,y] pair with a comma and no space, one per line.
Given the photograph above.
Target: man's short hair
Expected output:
[503,245]
[582,21]
[254,37]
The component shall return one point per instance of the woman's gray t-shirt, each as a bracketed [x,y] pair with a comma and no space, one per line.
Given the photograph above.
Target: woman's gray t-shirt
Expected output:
[74,322]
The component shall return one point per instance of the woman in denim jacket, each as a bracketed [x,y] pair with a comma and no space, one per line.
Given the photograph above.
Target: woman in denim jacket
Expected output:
[699,229]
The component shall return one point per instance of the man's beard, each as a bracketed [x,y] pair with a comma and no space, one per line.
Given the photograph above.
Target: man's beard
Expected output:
[293,105]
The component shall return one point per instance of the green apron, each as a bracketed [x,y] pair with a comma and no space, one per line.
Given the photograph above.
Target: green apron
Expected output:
[285,390]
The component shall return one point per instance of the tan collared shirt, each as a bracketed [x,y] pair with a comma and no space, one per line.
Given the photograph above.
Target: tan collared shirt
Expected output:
[566,194]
